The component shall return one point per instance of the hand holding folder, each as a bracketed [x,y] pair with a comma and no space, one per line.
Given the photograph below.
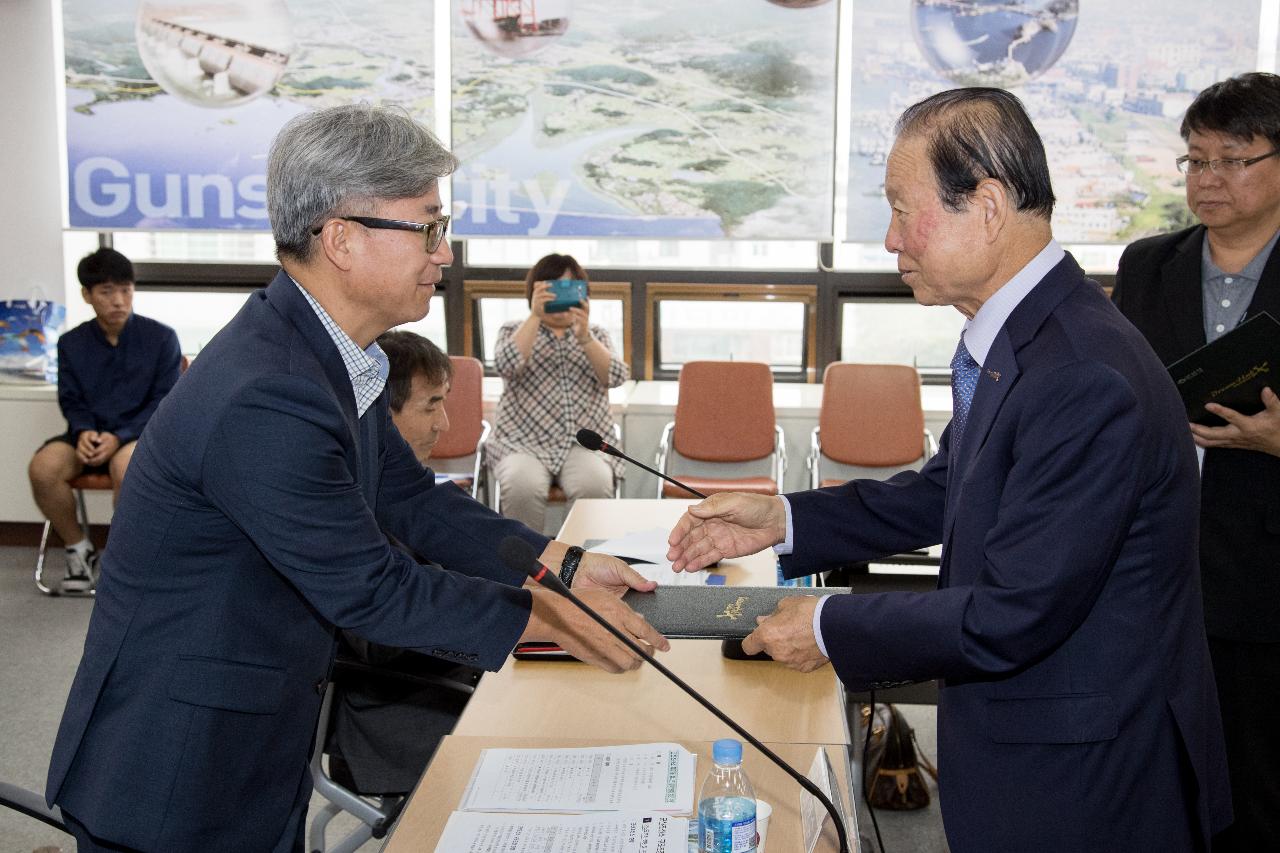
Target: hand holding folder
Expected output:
[1231,371]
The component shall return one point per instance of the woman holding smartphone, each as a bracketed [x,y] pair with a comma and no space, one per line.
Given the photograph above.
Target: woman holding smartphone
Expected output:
[558,369]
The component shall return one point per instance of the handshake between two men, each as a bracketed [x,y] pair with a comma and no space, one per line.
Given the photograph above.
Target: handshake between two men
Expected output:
[721,527]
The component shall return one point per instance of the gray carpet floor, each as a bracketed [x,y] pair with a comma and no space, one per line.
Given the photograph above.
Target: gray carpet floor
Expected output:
[40,643]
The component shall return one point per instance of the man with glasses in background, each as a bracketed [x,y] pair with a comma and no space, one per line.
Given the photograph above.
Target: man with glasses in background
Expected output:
[263,512]
[1183,290]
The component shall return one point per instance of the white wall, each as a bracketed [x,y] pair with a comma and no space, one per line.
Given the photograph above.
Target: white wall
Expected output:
[31,205]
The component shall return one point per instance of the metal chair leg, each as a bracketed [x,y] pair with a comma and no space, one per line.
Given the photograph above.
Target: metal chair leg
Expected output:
[40,555]
[82,517]
[82,513]
[84,527]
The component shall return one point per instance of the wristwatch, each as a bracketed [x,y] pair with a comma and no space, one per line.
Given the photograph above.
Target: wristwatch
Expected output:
[569,565]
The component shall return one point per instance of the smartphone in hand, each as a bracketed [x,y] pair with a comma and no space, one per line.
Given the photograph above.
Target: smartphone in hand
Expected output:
[568,293]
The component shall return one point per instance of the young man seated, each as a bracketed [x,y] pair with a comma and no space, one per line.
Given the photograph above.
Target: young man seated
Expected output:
[113,371]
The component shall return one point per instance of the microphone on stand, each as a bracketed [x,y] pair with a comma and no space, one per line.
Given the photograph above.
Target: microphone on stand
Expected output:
[519,556]
[591,440]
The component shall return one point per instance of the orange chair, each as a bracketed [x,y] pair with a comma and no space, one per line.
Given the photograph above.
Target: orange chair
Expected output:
[91,482]
[461,448]
[724,415]
[871,417]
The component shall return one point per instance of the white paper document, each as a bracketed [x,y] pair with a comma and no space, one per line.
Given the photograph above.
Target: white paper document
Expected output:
[637,777]
[663,574]
[619,832]
[651,547]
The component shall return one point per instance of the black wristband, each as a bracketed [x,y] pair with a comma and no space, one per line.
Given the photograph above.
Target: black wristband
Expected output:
[569,565]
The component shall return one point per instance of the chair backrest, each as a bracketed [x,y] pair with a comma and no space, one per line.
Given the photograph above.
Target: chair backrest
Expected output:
[465,410]
[724,412]
[871,414]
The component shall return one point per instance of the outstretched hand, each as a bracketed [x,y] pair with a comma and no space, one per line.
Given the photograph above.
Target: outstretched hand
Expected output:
[730,524]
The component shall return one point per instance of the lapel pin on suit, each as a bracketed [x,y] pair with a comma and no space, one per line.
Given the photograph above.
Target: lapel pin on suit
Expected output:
[994,374]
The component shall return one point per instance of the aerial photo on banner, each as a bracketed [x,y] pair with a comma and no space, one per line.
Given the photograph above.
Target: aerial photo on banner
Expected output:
[644,118]
[171,106]
[1104,86]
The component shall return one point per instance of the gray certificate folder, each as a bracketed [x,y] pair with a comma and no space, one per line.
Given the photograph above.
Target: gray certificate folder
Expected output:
[713,612]
[1232,370]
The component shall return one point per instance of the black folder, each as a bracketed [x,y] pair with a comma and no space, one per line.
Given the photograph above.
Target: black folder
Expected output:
[713,612]
[1231,371]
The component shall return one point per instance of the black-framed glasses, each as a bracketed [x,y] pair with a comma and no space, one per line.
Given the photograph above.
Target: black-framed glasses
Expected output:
[1229,166]
[432,232]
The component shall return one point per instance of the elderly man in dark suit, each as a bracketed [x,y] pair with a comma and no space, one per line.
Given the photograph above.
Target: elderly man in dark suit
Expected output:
[1077,709]
[1183,290]
[256,521]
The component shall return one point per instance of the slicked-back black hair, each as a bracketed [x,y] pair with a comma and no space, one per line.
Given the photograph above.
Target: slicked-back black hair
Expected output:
[979,133]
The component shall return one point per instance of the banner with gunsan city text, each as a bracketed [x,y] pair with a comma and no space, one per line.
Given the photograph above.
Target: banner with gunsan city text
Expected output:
[1106,85]
[644,118]
[172,106]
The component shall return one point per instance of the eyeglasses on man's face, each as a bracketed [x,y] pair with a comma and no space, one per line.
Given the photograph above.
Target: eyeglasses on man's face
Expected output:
[1188,165]
[432,232]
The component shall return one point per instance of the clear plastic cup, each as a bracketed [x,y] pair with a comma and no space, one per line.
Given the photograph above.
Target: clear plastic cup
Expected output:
[763,810]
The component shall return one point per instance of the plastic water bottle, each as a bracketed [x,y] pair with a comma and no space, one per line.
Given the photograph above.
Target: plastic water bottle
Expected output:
[726,803]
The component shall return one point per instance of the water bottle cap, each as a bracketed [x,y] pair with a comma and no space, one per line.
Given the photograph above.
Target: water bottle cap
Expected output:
[726,751]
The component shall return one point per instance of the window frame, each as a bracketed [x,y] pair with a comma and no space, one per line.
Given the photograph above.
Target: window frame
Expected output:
[658,292]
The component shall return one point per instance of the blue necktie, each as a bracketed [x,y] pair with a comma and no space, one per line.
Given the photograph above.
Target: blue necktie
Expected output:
[964,382]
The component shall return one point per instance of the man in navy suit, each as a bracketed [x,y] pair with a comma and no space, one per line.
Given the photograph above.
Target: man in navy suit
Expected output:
[1077,709]
[258,515]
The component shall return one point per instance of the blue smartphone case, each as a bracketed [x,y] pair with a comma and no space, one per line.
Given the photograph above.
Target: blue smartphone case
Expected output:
[568,293]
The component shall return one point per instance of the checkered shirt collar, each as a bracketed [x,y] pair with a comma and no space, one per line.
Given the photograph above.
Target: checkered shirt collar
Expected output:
[368,368]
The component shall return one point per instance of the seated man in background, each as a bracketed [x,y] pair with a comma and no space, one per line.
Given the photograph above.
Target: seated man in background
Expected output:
[113,371]
[417,385]
[386,724]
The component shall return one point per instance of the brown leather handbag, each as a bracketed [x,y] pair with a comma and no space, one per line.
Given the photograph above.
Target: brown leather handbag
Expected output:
[896,781]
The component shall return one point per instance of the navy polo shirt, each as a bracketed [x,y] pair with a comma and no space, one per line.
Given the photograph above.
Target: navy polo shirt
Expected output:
[116,389]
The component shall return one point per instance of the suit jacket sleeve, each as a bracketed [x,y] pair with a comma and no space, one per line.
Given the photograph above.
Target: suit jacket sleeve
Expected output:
[276,464]
[901,514]
[1066,502]
[442,522]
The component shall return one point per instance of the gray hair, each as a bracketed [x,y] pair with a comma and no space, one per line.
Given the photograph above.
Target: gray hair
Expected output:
[342,160]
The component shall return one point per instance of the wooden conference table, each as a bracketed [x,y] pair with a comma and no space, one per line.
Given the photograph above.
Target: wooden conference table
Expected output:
[545,703]
[422,822]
